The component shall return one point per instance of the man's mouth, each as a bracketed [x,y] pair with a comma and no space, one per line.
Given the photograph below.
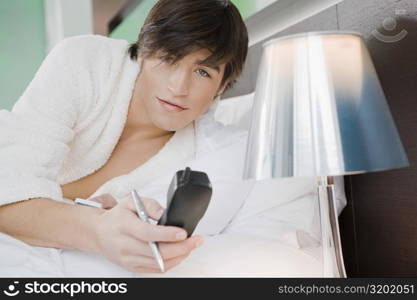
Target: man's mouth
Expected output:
[170,106]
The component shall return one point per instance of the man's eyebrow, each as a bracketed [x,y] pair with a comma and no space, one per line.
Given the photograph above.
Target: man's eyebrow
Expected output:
[199,62]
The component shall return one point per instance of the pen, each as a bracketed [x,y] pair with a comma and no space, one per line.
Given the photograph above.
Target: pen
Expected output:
[88,203]
[144,217]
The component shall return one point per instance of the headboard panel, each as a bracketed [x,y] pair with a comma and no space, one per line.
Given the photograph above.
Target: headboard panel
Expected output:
[384,204]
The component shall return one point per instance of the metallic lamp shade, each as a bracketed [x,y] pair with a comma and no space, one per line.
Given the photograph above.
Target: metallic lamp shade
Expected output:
[319,110]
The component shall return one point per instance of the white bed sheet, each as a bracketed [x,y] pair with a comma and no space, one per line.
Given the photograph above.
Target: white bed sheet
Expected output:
[224,255]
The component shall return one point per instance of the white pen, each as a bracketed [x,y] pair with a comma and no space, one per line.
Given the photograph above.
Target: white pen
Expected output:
[88,203]
[144,217]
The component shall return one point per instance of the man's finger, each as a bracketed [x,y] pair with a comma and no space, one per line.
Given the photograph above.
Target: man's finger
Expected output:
[168,250]
[176,249]
[173,262]
[107,201]
[152,207]
[143,231]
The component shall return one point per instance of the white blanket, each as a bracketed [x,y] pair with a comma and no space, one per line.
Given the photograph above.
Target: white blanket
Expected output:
[225,255]
[252,229]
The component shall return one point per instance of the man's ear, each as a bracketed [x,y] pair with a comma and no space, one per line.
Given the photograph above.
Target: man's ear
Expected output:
[221,90]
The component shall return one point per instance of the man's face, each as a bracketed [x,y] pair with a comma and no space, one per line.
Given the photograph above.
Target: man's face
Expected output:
[186,83]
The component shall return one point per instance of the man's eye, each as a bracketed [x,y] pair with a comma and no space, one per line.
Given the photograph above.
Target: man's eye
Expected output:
[203,73]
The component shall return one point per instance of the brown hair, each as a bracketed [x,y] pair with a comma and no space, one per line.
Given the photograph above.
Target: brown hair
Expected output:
[179,27]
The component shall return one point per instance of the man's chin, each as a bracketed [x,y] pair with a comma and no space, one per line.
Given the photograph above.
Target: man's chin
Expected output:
[169,126]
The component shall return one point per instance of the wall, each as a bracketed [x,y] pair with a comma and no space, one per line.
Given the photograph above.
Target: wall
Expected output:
[22,46]
[380,226]
[130,27]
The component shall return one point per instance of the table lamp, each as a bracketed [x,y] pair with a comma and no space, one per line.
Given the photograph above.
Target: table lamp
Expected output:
[319,110]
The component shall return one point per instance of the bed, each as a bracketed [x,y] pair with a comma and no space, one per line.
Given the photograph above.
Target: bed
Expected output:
[282,240]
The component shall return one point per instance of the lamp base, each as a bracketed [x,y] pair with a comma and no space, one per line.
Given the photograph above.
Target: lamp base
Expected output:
[333,265]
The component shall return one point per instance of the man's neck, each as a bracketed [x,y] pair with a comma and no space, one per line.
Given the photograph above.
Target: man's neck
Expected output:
[139,126]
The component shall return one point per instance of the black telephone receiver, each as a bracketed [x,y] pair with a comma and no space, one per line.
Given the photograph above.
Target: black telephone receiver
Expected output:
[189,195]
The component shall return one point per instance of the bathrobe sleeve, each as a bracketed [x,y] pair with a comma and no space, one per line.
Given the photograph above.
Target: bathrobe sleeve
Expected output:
[34,135]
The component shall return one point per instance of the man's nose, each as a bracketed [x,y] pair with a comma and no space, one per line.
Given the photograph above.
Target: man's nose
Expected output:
[179,82]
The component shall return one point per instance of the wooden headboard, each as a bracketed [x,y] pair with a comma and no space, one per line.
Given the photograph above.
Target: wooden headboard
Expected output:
[379,225]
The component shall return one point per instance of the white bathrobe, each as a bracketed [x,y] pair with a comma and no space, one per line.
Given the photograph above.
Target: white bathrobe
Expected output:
[66,125]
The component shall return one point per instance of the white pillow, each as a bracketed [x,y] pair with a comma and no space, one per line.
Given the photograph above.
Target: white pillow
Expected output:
[238,111]
[235,111]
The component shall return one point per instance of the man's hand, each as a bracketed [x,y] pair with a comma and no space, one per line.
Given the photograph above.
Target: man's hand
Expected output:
[123,238]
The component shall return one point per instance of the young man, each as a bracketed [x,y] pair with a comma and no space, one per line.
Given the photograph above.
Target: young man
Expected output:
[98,109]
